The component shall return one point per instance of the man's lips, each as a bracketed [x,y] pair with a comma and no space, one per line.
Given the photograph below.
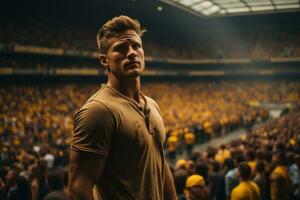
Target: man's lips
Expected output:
[132,64]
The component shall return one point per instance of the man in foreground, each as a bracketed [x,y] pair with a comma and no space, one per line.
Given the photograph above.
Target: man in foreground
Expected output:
[117,144]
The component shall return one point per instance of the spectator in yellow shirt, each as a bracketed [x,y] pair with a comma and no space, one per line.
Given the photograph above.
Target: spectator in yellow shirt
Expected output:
[280,180]
[189,140]
[195,188]
[222,154]
[251,161]
[247,189]
[172,143]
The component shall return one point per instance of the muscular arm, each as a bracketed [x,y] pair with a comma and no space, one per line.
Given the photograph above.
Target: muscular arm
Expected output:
[169,186]
[84,171]
[93,128]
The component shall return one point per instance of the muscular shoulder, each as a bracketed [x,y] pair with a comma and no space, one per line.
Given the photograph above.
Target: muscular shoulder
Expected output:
[153,103]
[96,108]
[94,128]
[92,113]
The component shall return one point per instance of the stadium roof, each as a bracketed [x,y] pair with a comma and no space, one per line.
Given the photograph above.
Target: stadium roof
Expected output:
[234,7]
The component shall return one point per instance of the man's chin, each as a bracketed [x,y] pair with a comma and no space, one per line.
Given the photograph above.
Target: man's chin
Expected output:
[131,73]
[134,72]
[134,75]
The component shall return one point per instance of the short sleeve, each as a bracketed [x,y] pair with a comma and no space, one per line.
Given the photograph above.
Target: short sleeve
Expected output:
[93,129]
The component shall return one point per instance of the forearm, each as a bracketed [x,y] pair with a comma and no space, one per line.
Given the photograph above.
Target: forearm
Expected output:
[169,186]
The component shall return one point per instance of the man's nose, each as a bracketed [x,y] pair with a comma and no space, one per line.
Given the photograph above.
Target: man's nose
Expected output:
[131,52]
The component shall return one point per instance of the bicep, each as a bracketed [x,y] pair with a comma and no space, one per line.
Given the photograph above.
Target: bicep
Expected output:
[86,165]
[90,146]
[84,171]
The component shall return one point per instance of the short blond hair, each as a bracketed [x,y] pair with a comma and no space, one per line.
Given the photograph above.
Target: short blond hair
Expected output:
[115,27]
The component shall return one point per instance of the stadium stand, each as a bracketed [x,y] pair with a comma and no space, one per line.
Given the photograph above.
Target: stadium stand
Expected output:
[36,123]
[256,44]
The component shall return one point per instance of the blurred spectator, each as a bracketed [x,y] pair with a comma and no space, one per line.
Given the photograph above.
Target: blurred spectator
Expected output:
[217,191]
[195,188]
[55,185]
[232,177]
[21,191]
[294,172]
[280,180]
[247,189]
[260,178]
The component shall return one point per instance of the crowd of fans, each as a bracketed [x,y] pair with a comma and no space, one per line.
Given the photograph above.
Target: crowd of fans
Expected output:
[218,104]
[46,34]
[36,123]
[252,44]
[38,63]
[262,165]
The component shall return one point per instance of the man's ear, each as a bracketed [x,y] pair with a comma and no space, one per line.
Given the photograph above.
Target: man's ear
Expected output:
[103,60]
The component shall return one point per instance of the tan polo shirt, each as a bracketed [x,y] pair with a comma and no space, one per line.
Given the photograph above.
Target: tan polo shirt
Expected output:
[113,126]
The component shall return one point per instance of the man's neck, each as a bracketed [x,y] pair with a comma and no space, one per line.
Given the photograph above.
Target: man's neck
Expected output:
[127,86]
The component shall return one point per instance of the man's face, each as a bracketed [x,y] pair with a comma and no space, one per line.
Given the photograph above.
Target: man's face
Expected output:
[195,193]
[125,55]
[275,157]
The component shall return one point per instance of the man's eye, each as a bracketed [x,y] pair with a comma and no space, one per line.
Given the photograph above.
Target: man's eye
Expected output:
[120,48]
[135,46]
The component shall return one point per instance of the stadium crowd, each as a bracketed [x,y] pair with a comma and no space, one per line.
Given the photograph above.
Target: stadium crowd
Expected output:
[262,165]
[36,124]
[259,44]
[42,64]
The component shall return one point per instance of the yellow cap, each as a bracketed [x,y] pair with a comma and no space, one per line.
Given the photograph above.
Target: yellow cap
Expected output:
[194,180]
[172,139]
[16,142]
[180,163]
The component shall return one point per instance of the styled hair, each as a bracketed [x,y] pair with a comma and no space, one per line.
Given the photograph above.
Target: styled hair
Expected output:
[251,155]
[260,166]
[115,27]
[245,171]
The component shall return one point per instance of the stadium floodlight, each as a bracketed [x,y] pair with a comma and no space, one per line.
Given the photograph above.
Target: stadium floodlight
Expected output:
[258,3]
[238,10]
[222,11]
[233,5]
[262,8]
[289,6]
[211,10]
[206,4]
[202,5]
[159,8]
[286,1]
[229,7]
[189,3]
